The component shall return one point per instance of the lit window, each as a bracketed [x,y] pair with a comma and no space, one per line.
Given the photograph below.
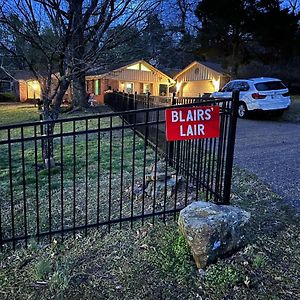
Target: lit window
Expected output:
[146,88]
[139,67]
[97,88]
[129,87]
[144,68]
[33,89]
[134,67]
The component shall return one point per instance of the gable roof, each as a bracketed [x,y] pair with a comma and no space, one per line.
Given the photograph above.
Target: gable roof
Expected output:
[19,75]
[214,67]
[102,73]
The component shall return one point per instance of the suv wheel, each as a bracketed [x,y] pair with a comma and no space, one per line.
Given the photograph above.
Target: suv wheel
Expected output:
[242,110]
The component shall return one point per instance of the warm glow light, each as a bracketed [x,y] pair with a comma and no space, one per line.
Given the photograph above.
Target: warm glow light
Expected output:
[216,84]
[35,85]
[178,86]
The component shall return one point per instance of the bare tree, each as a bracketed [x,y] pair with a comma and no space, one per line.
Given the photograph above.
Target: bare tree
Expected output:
[294,6]
[79,40]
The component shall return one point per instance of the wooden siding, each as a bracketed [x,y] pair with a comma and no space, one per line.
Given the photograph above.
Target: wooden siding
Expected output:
[197,88]
[137,75]
[203,74]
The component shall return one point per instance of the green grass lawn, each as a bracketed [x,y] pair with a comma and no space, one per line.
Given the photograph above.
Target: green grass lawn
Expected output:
[84,187]
[149,262]
[17,113]
[153,262]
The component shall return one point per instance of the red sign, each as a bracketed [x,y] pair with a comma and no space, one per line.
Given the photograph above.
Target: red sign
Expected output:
[191,123]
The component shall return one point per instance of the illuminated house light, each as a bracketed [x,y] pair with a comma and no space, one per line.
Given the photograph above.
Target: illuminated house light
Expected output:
[216,84]
[35,85]
[178,86]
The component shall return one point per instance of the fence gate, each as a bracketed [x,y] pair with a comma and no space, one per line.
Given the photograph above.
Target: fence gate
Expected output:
[111,170]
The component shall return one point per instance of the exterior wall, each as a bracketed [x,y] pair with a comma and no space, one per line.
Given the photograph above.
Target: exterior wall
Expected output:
[197,88]
[154,87]
[22,90]
[137,76]
[104,85]
[198,72]
[199,79]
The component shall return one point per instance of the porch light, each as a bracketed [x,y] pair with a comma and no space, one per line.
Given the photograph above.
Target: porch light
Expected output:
[216,84]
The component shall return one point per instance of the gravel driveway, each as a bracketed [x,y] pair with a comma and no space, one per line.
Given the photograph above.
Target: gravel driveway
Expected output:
[271,150]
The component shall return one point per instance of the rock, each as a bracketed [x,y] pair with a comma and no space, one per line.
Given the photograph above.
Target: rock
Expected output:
[137,190]
[158,176]
[159,188]
[49,163]
[212,231]
[160,167]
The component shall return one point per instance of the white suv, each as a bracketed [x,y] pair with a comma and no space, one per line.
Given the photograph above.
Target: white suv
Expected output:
[265,94]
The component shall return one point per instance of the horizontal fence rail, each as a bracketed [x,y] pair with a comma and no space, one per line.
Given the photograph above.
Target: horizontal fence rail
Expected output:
[107,171]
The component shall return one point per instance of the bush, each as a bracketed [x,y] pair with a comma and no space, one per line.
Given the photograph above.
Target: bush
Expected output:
[8,97]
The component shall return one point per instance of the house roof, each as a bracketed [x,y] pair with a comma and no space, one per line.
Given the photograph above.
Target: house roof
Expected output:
[16,75]
[215,67]
[101,72]
[171,72]
[112,67]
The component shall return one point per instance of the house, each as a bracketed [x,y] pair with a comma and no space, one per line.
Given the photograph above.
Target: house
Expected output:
[21,84]
[138,76]
[200,78]
[25,88]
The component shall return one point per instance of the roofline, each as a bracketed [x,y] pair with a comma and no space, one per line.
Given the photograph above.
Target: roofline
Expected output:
[192,64]
[185,69]
[131,64]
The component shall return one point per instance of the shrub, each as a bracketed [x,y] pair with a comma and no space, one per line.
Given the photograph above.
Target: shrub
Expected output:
[8,97]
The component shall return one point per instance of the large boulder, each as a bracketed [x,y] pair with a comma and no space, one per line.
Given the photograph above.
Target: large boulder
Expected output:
[212,230]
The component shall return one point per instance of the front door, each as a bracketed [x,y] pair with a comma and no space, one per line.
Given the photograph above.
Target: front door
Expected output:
[163,90]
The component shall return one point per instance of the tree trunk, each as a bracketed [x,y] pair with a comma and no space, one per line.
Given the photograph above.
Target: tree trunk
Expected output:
[79,91]
[51,113]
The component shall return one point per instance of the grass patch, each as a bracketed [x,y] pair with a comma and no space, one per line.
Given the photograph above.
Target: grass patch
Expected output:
[153,262]
[148,262]
[17,113]
[90,184]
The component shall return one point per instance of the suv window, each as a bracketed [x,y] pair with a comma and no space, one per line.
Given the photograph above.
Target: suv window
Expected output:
[228,87]
[270,86]
[241,86]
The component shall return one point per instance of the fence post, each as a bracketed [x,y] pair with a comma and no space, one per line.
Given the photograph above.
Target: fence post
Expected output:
[173,99]
[129,102]
[148,99]
[123,101]
[230,147]
[42,130]
[134,99]
[171,144]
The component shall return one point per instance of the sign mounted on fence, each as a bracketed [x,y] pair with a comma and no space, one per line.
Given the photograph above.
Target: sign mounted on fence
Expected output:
[189,123]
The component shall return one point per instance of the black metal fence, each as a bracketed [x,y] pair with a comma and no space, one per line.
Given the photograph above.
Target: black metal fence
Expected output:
[206,162]
[111,170]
